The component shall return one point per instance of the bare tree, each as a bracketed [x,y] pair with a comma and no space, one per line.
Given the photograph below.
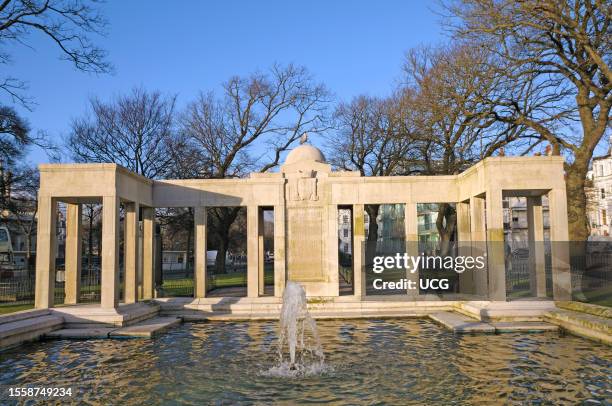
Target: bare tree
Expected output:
[134,131]
[257,118]
[14,135]
[558,54]
[177,229]
[455,128]
[92,231]
[375,137]
[68,24]
[20,188]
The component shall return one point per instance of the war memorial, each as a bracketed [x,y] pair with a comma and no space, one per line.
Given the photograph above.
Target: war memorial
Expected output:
[305,195]
[428,331]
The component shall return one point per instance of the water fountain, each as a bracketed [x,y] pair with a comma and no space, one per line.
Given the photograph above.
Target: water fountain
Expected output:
[298,337]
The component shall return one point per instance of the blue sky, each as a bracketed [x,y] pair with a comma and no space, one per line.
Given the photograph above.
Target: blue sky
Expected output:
[353,47]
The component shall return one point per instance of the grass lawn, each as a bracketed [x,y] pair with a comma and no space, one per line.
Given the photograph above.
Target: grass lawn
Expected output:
[6,309]
[184,286]
[602,297]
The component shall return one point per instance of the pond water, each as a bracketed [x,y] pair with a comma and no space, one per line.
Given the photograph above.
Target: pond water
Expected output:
[391,361]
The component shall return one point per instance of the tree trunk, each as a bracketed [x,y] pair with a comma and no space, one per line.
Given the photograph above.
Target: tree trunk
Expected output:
[90,245]
[446,229]
[28,241]
[188,250]
[372,210]
[578,226]
[576,199]
[225,218]
[221,253]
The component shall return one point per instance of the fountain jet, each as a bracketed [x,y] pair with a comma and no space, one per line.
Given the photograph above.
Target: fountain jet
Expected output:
[298,330]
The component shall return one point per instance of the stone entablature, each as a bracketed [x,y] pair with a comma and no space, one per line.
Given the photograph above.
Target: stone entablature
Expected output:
[305,194]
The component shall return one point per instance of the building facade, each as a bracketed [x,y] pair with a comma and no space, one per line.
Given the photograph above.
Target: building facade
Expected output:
[600,195]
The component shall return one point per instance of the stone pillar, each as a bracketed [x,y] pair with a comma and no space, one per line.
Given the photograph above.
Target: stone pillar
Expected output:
[359,277]
[261,253]
[45,252]
[252,251]
[559,242]
[496,245]
[537,265]
[199,271]
[463,221]
[466,279]
[279,251]
[148,244]
[73,253]
[109,289]
[330,250]
[131,252]
[411,227]
[478,234]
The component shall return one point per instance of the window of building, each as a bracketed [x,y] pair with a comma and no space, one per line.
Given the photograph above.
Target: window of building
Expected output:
[345,219]
[603,193]
[345,232]
[604,217]
[346,247]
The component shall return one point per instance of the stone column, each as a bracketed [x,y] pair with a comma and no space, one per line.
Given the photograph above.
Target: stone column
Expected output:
[466,279]
[496,245]
[478,236]
[199,272]
[463,221]
[148,244]
[559,242]
[45,252]
[330,250]
[110,252]
[537,265]
[359,278]
[411,227]
[73,253]
[260,252]
[279,251]
[252,251]
[131,252]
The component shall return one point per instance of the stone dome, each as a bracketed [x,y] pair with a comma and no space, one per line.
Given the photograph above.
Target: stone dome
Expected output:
[305,152]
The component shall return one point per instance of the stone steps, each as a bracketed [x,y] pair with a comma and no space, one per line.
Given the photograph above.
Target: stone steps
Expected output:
[243,316]
[513,311]
[92,316]
[148,328]
[144,329]
[248,306]
[29,325]
[524,327]
[595,310]
[81,333]
[583,324]
[460,323]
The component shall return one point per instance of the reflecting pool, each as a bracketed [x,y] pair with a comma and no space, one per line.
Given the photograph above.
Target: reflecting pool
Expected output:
[390,361]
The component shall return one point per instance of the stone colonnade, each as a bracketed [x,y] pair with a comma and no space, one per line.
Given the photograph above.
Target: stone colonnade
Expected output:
[304,191]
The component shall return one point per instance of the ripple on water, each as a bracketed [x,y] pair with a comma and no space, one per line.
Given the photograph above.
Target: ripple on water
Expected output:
[366,361]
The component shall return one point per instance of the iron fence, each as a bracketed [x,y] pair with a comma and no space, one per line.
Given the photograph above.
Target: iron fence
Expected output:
[19,288]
